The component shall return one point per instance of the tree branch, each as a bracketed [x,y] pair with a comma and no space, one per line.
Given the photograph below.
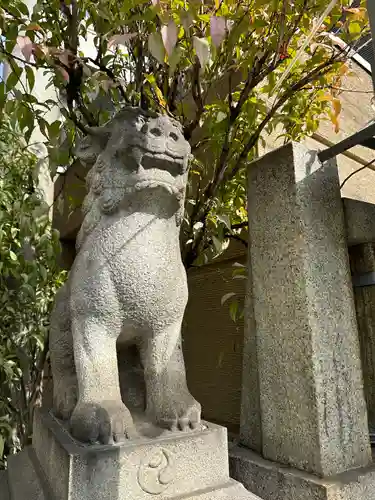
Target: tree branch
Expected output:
[310,77]
[16,58]
[227,176]
[197,96]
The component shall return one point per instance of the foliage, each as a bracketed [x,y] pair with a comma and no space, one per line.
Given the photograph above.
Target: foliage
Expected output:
[236,306]
[229,71]
[28,281]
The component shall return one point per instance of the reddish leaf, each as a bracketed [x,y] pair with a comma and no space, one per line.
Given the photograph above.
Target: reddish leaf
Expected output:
[217,29]
[40,50]
[64,57]
[106,85]
[64,74]
[169,35]
[26,46]
[33,27]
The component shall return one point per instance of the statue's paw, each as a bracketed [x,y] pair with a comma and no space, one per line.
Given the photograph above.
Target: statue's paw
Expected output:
[104,422]
[181,414]
[65,395]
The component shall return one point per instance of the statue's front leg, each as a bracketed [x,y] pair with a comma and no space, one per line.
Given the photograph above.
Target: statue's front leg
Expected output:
[100,414]
[64,376]
[169,402]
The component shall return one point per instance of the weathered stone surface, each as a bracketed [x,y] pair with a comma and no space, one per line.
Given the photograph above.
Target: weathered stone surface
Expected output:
[230,491]
[362,262]
[192,465]
[359,221]
[127,284]
[24,482]
[302,398]
[273,481]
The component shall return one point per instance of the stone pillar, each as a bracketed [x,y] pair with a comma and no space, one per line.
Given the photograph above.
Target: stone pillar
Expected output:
[362,262]
[303,408]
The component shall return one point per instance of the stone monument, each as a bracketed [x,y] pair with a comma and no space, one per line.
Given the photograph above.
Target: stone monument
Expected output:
[304,432]
[124,425]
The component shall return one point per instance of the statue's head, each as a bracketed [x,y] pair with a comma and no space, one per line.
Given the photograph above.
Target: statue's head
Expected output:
[135,152]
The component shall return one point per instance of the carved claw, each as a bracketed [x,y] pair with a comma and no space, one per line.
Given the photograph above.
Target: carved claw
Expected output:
[104,422]
[182,415]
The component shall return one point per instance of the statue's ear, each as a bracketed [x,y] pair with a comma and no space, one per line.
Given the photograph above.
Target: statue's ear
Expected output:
[90,147]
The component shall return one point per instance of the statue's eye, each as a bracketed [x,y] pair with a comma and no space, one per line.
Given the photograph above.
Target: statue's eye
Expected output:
[156,131]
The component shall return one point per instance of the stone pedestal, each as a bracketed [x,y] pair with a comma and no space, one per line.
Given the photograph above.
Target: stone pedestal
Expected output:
[279,482]
[171,465]
[303,407]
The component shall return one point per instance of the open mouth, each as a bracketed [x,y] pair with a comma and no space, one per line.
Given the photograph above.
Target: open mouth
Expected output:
[163,161]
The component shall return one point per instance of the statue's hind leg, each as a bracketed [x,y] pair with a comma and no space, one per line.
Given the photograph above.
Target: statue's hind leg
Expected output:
[169,402]
[62,357]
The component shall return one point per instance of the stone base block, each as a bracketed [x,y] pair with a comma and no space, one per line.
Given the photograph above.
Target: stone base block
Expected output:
[192,465]
[272,481]
[4,488]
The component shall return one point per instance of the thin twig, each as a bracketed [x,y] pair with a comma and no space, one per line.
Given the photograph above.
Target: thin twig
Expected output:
[312,76]
[340,89]
[356,172]
[110,74]
[12,56]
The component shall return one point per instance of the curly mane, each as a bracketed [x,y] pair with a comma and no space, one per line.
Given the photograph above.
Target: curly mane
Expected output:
[106,179]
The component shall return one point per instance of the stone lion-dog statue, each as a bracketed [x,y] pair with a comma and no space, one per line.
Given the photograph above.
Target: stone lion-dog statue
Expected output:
[127,282]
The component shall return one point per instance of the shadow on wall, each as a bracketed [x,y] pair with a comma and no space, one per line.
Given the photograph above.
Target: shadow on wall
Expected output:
[213,343]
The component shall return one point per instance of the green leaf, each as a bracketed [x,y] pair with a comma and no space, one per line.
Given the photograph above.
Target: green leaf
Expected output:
[27,118]
[13,77]
[202,48]
[233,310]
[174,59]
[13,256]
[54,130]
[23,8]
[43,273]
[218,244]
[28,289]
[224,219]
[226,297]
[2,94]
[30,77]
[156,46]
[355,28]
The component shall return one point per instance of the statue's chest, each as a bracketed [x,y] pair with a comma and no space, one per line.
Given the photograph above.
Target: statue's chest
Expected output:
[142,248]
[134,267]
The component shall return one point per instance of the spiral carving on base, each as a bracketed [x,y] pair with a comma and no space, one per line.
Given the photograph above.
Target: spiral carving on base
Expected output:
[156,472]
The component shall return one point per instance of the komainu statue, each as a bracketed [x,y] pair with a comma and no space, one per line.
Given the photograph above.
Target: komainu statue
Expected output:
[127,283]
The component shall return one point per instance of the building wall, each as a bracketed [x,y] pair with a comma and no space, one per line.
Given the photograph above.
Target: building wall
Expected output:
[212,342]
